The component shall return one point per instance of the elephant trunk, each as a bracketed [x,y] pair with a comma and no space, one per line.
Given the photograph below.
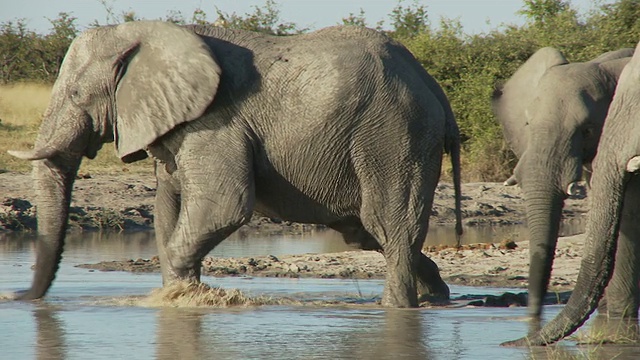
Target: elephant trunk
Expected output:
[598,259]
[544,210]
[53,186]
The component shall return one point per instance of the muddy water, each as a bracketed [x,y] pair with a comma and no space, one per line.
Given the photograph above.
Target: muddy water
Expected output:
[82,319]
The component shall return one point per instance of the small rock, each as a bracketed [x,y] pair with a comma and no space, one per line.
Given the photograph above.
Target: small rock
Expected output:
[518,277]
[497,269]
[507,244]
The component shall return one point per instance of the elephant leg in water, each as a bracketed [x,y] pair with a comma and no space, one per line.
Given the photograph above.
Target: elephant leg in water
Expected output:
[430,285]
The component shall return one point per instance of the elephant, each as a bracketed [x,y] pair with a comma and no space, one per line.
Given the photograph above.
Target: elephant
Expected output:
[551,113]
[340,127]
[611,256]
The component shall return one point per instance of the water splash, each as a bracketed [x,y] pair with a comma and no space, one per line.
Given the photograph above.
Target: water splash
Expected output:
[186,295]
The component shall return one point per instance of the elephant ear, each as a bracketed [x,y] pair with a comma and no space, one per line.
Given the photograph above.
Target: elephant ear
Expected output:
[169,77]
[510,103]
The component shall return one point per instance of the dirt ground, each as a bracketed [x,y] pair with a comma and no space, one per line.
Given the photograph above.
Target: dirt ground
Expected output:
[124,201]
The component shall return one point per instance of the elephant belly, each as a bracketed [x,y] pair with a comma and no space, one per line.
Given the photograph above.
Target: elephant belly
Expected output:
[313,203]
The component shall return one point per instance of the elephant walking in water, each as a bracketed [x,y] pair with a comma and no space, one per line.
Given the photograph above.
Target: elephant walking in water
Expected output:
[552,113]
[341,127]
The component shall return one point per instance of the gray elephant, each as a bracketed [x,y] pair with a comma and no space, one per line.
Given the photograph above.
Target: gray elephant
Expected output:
[341,127]
[613,230]
[552,112]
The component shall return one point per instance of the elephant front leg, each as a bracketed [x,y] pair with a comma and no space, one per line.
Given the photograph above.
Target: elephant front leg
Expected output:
[204,221]
[622,293]
[184,255]
[167,209]
[214,202]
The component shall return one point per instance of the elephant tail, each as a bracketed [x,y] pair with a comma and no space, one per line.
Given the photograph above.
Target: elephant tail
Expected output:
[452,147]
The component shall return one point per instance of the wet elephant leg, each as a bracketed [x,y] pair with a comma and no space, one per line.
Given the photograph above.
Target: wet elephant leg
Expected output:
[430,285]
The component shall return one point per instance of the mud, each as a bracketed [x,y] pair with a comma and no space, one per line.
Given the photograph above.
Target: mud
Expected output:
[125,201]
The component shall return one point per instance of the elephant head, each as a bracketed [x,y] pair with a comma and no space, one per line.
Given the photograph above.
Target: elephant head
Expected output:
[614,183]
[137,81]
[552,113]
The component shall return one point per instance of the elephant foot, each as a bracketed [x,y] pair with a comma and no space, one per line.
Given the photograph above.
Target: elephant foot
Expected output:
[431,287]
[172,274]
[394,299]
[22,295]
[399,291]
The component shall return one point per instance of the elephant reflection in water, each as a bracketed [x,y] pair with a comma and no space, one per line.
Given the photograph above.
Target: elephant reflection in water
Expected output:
[179,335]
[183,334]
[50,341]
[393,334]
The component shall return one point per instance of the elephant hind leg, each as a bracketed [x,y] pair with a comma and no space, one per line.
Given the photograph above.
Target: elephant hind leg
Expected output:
[397,181]
[430,285]
[398,218]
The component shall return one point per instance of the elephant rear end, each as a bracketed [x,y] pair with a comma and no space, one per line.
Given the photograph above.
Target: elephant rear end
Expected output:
[362,149]
[352,106]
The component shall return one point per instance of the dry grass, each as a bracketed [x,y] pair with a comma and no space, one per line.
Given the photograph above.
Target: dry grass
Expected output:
[609,331]
[604,339]
[21,109]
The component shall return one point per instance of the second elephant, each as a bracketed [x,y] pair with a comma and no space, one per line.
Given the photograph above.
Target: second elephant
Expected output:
[552,113]
[611,257]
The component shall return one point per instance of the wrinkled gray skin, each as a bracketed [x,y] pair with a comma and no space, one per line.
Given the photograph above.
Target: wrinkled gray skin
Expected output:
[552,113]
[613,230]
[341,127]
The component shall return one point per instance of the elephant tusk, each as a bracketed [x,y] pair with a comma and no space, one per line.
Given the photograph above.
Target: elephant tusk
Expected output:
[633,165]
[510,181]
[42,153]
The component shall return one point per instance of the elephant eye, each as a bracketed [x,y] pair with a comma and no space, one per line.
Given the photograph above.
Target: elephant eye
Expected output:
[588,132]
[76,97]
